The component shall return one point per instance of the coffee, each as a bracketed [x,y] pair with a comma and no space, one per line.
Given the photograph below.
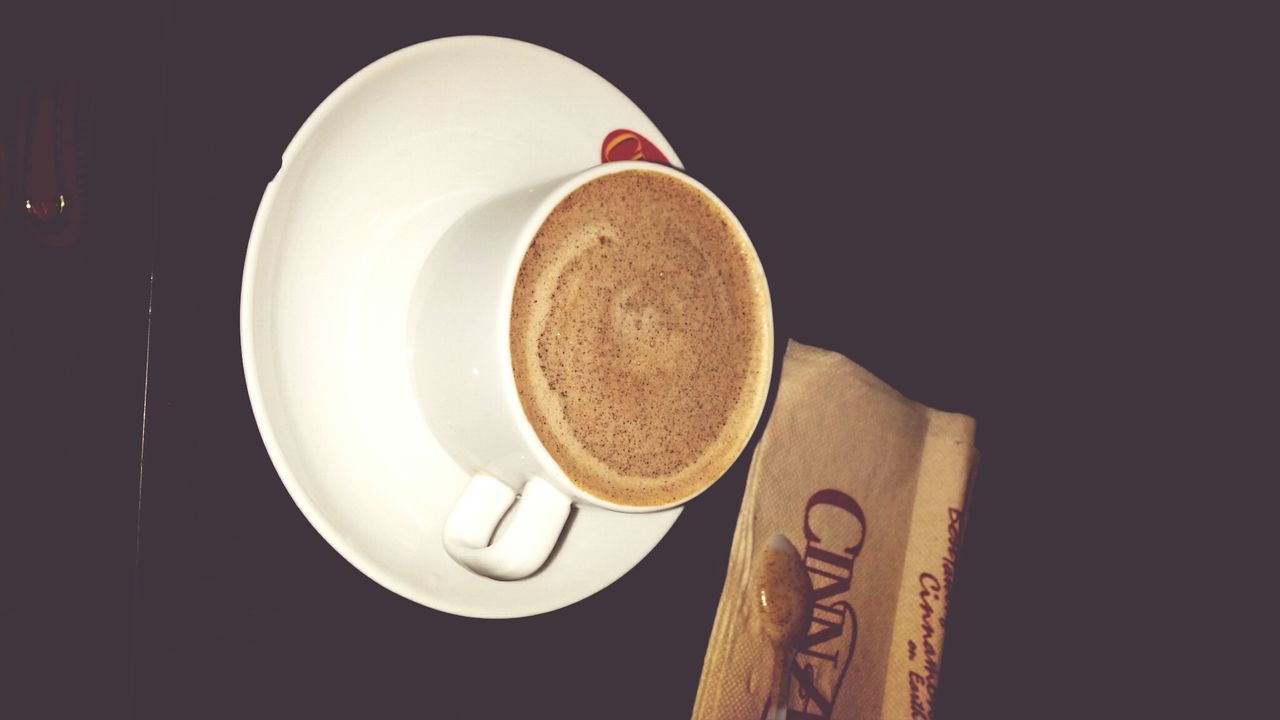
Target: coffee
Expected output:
[640,338]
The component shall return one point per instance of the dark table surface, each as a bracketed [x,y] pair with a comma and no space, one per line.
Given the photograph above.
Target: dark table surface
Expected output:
[954,200]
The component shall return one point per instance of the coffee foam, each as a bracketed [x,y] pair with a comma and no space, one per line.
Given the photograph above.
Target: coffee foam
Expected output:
[637,329]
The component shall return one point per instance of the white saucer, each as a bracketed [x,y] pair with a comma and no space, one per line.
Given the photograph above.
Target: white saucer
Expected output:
[379,170]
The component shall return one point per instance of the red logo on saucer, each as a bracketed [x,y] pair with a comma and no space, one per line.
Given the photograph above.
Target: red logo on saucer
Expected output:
[630,145]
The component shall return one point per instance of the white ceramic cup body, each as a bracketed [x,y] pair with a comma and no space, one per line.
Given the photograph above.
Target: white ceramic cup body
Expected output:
[466,387]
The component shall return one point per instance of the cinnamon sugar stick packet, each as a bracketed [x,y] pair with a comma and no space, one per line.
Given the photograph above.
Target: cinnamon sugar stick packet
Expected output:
[869,487]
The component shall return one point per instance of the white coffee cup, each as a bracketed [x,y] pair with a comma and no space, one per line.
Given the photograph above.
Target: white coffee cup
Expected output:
[466,386]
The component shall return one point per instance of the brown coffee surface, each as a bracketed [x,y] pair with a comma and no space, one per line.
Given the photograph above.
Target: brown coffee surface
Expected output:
[638,332]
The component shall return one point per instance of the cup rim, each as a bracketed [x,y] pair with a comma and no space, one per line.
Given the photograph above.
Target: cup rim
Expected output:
[526,235]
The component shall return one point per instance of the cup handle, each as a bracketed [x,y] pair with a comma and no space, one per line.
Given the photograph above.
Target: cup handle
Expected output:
[526,543]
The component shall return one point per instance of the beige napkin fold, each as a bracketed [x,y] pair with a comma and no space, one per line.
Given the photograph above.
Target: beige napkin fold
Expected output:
[870,488]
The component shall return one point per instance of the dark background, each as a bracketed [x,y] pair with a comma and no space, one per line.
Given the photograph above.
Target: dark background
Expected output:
[1035,218]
